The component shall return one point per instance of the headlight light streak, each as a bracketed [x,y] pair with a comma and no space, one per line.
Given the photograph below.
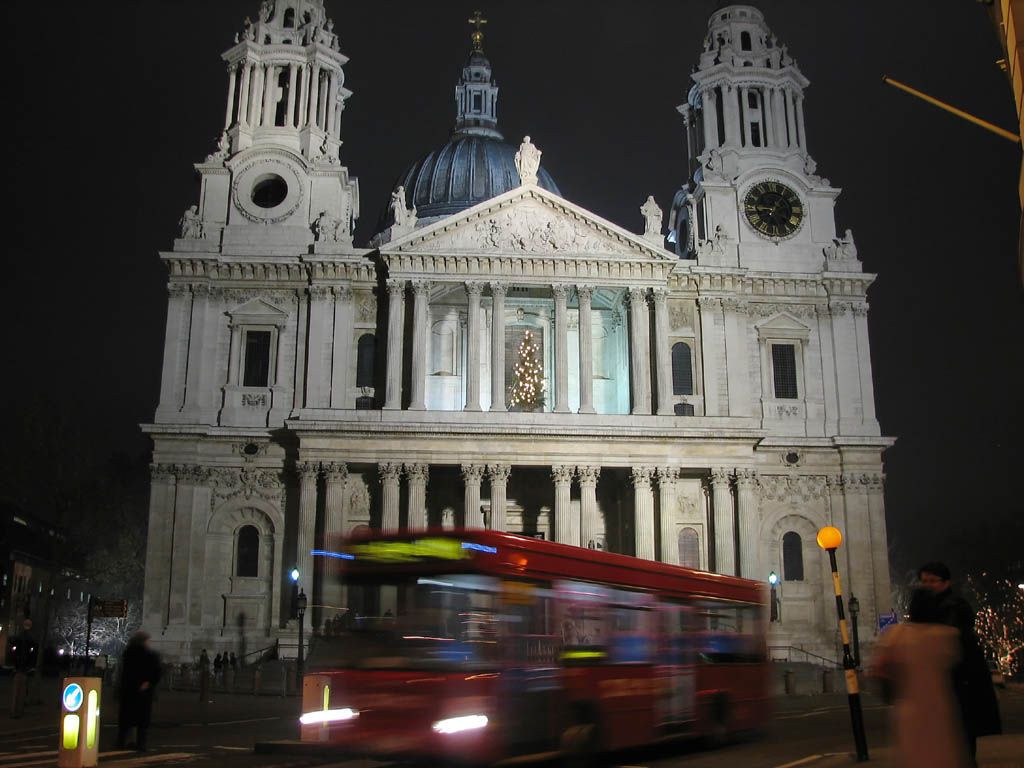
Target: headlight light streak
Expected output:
[328,716]
[458,724]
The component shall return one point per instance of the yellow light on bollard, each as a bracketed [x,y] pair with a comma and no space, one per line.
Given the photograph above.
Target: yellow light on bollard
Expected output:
[78,746]
[829,537]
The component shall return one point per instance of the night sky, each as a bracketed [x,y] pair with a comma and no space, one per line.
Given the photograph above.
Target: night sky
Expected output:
[111,104]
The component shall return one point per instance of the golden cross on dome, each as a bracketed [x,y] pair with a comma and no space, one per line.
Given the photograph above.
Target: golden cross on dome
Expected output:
[477,35]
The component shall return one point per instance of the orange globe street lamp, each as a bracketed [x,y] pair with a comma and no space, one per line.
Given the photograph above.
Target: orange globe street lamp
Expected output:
[829,539]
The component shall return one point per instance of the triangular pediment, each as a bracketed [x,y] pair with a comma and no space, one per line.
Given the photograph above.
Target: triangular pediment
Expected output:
[783,325]
[257,311]
[528,221]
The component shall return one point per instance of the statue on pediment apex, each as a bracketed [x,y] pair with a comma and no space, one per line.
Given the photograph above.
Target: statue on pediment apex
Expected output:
[528,161]
[652,218]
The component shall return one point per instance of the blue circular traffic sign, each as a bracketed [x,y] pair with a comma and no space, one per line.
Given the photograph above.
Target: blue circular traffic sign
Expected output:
[72,697]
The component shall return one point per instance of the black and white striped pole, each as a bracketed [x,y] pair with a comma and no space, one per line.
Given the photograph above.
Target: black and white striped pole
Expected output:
[829,539]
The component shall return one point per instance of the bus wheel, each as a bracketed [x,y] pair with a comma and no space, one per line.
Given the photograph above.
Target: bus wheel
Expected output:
[579,745]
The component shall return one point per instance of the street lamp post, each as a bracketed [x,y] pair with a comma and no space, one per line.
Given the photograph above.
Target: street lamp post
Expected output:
[300,605]
[854,604]
[829,539]
[773,614]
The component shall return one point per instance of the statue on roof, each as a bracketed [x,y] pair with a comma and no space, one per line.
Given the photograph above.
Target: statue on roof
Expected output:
[528,161]
[404,217]
[191,224]
[652,218]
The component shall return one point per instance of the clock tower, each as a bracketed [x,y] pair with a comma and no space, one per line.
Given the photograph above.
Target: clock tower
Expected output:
[752,199]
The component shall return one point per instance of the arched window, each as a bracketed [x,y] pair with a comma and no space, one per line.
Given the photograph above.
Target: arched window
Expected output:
[682,369]
[689,548]
[792,557]
[289,18]
[247,563]
[744,41]
[367,349]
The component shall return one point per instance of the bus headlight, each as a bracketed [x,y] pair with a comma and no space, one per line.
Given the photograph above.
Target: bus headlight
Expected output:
[458,724]
[328,716]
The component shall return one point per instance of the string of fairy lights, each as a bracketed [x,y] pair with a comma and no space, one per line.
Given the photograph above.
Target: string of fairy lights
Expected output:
[527,392]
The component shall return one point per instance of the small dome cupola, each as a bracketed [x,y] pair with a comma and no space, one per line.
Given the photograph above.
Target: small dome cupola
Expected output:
[476,95]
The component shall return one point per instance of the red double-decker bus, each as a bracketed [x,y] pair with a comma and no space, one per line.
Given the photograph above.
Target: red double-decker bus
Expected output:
[477,646]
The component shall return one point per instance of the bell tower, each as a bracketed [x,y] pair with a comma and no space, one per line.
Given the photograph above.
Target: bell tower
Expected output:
[752,198]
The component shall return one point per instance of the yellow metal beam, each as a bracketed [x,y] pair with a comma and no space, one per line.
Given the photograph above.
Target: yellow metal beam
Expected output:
[958,112]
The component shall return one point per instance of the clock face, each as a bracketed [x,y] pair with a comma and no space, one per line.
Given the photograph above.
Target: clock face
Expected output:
[773,209]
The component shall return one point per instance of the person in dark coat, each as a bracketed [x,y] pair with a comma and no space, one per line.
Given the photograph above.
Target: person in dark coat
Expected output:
[972,681]
[140,672]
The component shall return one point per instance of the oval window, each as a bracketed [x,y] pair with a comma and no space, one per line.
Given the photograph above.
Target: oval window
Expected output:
[269,191]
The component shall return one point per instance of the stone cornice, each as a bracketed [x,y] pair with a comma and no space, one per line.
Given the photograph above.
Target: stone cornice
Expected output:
[298,270]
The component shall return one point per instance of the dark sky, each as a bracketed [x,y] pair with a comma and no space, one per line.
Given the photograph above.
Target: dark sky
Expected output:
[112,103]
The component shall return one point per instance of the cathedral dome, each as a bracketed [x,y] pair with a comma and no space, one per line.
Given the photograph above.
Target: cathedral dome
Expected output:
[467,170]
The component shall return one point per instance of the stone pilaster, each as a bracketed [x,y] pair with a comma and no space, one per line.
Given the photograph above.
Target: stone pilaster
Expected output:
[712,326]
[667,477]
[498,291]
[662,352]
[342,352]
[308,472]
[725,535]
[159,540]
[390,476]
[879,543]
[584,294]
[639,343]
[417,475]
[643,505]
[396,322]
[176,343]
[418,384]
[321,326]
[473,291]
[588,476]
[750,524]
[499,474]
[336,517]
[471,475]
[860,580]
[559,292]
[562,476]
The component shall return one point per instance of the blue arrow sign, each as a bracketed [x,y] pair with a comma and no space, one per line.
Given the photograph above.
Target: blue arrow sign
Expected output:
[72,697]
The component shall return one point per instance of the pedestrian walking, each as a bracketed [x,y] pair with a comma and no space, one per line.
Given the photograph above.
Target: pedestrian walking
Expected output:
[972,681]
[204,677]
[234,661]
[218,669]
[916,661]
[140,672]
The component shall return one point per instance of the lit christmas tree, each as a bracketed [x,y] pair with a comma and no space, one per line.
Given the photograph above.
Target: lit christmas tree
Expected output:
[527,393]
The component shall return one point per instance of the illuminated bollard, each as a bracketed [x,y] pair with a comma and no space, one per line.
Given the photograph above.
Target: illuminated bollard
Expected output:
[79,742]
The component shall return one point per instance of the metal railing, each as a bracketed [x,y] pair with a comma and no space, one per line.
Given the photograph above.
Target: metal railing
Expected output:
[786,652]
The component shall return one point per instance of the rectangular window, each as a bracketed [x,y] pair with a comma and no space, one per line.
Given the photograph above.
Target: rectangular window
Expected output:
[478,103]
[257,359]
[784,370]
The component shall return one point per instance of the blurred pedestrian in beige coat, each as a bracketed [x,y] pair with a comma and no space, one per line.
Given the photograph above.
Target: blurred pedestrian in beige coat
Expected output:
[915,661]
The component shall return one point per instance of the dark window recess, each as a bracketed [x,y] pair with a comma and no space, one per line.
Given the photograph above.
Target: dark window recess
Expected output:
[682,369]
[784,367]
[751,100]
[367,352]
[364,403]
[289,18]
[478,102]
[248,562]
[689,548]
[744,41]
[792,557]
[755,135]
[270,192]
[683,409]
[257,359]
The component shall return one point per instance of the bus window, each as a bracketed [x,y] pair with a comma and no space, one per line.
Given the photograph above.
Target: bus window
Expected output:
[727,633]
[528,620]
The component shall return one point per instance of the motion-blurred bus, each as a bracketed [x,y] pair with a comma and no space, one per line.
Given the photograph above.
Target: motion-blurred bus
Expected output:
[476,646]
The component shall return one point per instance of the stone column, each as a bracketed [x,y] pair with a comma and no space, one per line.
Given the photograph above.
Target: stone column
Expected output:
[189,481]
[231,95]
[243,95]
[269,85]
[662,352]
[321,326]
[711,137]
[332,99]
[667,477]
[314,94]
[768,115]
[256,95]
[867,390]
[325,93]
[725,536]
[293,72]
[304,95]
[390,475]
[499,474]
[335,526]
[396,323]
[417,475]
[176,343]
[562,475]
[712,329]
[342,351]
[588,476]
[801,130]
[744,117]
[473,291]
[879,543]
[308,472]
[860,578]
[559,292]
[643,512]
[421,294]
[779,112]
[159,540]
[498,291]
[791,117]
[737,356]
[471,474]
[639,337]
[750,524]
[583,294]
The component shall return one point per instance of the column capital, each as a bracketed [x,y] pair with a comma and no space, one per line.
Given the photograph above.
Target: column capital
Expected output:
[162,473]
[396,286]
[320,292]
[307,470]
[474,288]
[641,476]
[343,292]
[709,302]
[660,296]
[588,474]
[389,472]
[720,477]
[471,473]
[746,478]
[499,289]
[559,290]
[421,287]
[561,474]
[637,295]
[668,474]
[584,291]
[499,473]
[417,472]
[335,472]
